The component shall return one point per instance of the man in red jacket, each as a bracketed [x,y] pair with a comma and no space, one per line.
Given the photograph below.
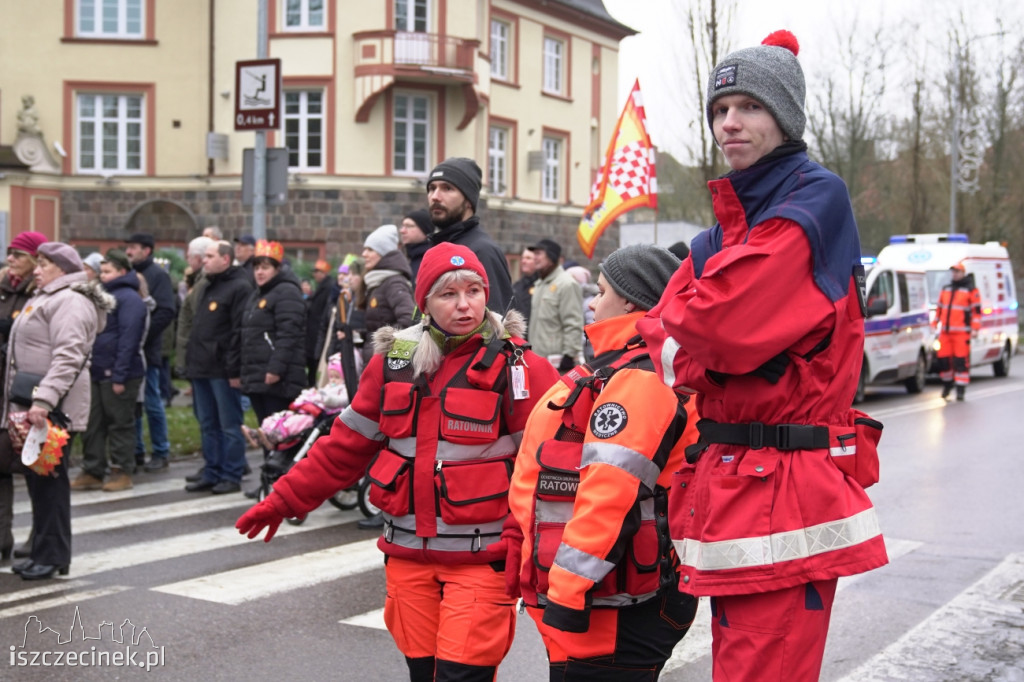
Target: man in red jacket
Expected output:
[764,323]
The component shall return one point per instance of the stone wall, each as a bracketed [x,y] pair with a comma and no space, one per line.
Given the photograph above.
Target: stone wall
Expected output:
[339,218]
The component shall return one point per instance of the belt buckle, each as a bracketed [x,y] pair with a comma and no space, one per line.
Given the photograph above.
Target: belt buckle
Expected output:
[756,435]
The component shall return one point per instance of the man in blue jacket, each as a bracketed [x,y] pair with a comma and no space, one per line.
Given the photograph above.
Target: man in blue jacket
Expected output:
[117,371]
[139,249]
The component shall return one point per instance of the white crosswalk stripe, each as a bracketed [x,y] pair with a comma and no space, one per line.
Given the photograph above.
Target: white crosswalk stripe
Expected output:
[929,646]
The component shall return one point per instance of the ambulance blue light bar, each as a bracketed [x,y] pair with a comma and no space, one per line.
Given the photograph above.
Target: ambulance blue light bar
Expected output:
[956,237]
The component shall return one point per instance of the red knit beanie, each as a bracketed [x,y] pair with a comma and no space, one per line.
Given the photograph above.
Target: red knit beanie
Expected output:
[29,242]
[445,257]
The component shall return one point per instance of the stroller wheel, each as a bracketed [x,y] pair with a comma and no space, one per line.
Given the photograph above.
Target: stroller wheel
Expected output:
[346,499]
[297,521]
[368,508]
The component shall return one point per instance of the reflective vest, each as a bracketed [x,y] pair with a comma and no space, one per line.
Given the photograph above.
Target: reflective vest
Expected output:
[642,561]
[959,309]
[441,479]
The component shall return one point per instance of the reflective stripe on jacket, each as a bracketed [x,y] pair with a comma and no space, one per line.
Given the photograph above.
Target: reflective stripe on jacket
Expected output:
[959,309]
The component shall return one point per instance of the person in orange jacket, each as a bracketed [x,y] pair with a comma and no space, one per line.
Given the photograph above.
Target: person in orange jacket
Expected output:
[589,493]
[957,320]
[435,425]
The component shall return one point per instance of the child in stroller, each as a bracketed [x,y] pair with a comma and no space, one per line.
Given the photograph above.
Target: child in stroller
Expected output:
[287,436]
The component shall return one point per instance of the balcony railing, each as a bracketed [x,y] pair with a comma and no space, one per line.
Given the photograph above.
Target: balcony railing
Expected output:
[426,51]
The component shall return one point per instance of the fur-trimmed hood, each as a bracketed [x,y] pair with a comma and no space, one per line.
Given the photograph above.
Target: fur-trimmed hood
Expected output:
[513,324]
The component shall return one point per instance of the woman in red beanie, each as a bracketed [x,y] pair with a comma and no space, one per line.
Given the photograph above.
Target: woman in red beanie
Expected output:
[16,287]
[435,425]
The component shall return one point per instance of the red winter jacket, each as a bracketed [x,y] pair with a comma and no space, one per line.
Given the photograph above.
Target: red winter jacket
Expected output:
[438,453]
[747,520]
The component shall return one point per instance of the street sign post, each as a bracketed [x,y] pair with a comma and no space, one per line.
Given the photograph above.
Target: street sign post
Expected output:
[258,94]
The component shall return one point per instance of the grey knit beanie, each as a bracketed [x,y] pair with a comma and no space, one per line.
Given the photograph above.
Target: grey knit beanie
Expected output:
[383,240]
[93,261]
[771,74]
[461,172]
[640,272]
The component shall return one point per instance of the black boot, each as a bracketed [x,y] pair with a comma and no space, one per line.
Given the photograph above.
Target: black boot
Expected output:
[947,389]
[375,522]
[24,550]
[960,390]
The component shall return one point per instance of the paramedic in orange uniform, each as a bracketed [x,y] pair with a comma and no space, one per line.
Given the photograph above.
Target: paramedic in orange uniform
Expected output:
[435,425]
[589,493]
[957,320]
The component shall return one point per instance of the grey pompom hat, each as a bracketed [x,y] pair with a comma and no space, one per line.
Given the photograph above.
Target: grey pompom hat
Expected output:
[640,272]
[771,74]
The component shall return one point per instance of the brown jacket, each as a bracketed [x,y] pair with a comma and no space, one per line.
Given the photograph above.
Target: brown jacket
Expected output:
[53,336]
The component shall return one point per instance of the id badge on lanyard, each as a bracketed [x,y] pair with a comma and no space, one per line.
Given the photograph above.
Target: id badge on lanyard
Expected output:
[520,380]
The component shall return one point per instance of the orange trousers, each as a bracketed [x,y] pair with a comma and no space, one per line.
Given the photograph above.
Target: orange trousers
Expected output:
[772,636]
[954,358]
[459,616]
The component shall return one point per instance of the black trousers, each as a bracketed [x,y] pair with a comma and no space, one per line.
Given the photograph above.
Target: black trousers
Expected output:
[51,513]
[266,404]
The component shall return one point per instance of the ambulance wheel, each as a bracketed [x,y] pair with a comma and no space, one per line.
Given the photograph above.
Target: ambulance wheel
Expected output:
[915,383]
[858,397]
[1001,367]
[365,506]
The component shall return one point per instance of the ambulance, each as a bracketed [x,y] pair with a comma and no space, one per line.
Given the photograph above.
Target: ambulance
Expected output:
[898,336]
[989,264]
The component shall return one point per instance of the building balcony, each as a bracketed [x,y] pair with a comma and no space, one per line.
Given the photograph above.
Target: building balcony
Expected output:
[382,57]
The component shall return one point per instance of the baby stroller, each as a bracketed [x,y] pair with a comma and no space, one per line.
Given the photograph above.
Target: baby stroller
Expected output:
[278,460]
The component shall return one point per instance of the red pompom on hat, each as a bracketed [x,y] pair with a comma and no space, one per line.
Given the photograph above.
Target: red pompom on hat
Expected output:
[784,39]
[445,257]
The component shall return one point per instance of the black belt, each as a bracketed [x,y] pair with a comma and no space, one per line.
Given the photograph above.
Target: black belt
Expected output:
[757,435]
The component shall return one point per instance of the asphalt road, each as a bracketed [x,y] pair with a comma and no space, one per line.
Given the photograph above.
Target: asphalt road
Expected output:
[204,603]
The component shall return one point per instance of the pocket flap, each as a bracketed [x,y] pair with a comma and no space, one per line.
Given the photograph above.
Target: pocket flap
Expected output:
[467,483]
[386,467]
[470,404]
[556,455]
[397,398]
[758,463]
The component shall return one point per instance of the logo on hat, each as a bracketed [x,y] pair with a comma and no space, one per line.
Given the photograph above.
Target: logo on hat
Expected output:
[458,261]
[726,76]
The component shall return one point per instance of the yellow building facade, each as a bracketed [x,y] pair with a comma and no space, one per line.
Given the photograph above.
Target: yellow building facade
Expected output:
[118,116]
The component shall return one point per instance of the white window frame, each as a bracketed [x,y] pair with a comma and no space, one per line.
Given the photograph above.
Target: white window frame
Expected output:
[96,12]
[553,149]
[501,49]
[122,122]
[411,124]
[409,18]
[304,117]
[554,65]
[498,154]
[305,23]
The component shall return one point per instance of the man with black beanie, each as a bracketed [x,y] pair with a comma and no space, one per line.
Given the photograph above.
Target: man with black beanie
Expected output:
[453,190]
[413,233]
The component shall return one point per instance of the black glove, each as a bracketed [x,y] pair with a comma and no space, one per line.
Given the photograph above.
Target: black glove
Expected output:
[567,363]
[773,369]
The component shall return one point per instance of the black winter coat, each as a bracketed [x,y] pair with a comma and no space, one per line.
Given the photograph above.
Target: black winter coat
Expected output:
[469,234]
[117,351]
[162,291]
[390,302]
[273,333]
[215,344]
[319,302]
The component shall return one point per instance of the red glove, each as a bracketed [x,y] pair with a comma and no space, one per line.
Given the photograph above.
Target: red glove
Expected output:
[260,516]
[512,542]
